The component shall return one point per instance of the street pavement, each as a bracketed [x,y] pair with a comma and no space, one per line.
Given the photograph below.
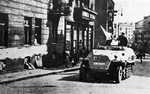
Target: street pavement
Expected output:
[68,83]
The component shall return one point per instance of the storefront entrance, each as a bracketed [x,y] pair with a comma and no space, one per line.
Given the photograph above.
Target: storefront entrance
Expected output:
[77,37]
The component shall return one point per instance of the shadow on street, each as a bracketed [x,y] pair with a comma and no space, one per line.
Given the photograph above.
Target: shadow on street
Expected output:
[75,78]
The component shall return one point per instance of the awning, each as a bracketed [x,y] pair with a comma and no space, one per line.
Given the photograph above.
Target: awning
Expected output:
[106,33]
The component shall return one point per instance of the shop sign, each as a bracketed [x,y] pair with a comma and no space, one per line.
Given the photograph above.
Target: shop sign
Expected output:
[92,16]
[85,14]
[91,23]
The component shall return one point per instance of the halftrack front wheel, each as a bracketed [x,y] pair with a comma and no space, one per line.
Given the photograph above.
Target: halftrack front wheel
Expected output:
[118,74]
[85,75]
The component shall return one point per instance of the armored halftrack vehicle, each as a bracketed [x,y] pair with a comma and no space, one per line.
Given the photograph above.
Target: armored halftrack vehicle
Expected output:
[114,61]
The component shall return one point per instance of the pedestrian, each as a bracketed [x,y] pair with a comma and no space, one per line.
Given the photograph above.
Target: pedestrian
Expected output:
[122,40]
[67,59]
[140,50]
[84,52]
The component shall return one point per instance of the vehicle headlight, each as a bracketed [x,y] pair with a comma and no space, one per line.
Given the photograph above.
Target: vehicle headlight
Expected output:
[115,56]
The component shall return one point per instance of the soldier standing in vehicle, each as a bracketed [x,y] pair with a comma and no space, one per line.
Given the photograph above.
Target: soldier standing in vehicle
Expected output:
[122,40]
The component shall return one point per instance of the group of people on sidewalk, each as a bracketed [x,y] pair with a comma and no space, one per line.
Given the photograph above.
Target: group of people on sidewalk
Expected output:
[140,48]
[74,59]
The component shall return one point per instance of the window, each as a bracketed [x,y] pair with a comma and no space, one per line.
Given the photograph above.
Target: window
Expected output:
[32,31]
[28,30]
[3,29]
[37,35]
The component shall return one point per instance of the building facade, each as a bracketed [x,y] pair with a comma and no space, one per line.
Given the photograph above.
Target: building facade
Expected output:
[72,27]
[142,32]
[127,28]
[105,18]
[45,31]
[23,31]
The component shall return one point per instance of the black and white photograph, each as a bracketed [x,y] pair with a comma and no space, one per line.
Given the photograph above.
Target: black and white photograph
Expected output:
[74,46]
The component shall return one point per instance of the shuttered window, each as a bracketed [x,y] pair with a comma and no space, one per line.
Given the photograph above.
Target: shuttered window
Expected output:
[28,30]
[3,29]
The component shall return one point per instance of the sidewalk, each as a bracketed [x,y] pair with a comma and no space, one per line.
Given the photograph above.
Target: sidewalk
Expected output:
[10,77]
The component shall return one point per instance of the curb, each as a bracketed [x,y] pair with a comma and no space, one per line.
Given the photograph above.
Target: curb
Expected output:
[4,81]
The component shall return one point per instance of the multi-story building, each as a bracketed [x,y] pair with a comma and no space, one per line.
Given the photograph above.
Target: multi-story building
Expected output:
[142,32]
[72,25]
[146,32]
[45,29]
[23,31]
[127,28]
[139,28]
[105,18]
